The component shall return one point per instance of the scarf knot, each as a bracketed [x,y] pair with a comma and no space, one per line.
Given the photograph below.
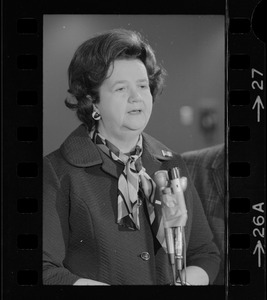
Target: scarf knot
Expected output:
[133,182]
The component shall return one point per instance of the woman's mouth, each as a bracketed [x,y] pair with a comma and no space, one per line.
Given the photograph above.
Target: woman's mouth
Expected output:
[135,111]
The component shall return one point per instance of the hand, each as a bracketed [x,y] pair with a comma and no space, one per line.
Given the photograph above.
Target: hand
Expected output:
[173,204]
[183,181]
[195,276]
[85,281]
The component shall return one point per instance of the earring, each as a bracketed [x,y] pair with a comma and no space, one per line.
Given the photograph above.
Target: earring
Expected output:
[96,116]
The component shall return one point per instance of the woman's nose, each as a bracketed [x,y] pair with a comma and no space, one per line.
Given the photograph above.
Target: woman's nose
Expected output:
[134,95]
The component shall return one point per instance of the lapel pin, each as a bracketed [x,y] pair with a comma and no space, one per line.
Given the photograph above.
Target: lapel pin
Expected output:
[166,153]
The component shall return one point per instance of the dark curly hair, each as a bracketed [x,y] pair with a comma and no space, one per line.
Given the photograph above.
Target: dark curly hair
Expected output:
[90,64]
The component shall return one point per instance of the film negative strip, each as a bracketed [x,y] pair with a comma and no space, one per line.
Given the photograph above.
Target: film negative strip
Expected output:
[247,128]
[22,155]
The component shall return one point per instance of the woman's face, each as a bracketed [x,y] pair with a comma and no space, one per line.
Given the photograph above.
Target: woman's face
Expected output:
[125,102]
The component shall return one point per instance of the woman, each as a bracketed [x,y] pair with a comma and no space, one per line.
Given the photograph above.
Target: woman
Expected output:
[99,187]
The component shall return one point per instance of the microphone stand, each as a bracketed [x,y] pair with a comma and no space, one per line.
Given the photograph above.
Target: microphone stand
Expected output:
[175,184]
[174,218]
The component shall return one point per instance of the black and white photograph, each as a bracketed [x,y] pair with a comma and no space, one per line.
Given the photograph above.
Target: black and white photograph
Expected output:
[134,150]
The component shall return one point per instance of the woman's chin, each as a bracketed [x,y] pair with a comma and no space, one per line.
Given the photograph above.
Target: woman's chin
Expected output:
[137,128]
[136,124]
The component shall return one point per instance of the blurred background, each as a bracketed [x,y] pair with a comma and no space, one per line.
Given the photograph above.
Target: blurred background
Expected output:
[188,115]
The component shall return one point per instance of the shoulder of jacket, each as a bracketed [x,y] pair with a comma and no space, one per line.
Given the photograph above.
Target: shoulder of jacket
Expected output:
[157,148]
[210,156]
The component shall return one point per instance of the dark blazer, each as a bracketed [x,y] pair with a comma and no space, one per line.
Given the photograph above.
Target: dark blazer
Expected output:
[206,167]
[80,235]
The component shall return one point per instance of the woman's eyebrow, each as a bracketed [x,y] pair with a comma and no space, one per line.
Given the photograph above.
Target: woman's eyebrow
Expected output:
[118,82]
[142,80]
[125,81]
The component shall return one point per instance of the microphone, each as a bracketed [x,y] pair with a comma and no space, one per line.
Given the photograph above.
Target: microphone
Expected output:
[161,180]
[174,214]
[181,215]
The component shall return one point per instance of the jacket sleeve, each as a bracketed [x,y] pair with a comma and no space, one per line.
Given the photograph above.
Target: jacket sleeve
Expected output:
[202,251]
[55,229]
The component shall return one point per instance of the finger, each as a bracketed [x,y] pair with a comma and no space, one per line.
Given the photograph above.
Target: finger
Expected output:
[183,181]
[161,178]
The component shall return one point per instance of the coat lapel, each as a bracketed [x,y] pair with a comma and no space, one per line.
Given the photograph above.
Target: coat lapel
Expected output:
[79,150]
[109,166]
[155,153]
[150,163]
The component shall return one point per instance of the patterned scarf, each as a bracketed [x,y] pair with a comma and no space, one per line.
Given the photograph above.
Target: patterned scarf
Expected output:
[132,183]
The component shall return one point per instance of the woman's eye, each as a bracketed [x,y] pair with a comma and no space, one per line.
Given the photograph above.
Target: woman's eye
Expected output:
[144,86]
[120,89]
